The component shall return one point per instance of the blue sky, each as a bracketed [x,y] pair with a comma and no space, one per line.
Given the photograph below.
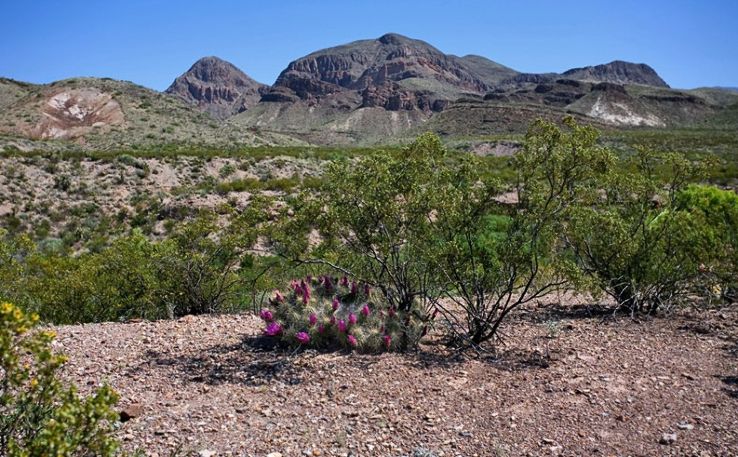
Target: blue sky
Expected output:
[150,42]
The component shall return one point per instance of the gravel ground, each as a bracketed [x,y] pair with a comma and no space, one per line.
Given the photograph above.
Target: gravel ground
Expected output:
[567,381]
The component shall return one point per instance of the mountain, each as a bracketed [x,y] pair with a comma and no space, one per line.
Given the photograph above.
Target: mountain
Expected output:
[217,87]
[393,72]
[618,72]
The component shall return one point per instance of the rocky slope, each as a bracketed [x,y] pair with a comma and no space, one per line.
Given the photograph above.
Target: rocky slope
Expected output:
[105,114]
[217,87]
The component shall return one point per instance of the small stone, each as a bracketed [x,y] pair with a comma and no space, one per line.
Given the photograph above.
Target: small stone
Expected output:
[668,438]
[685,426]
[131,412]
[206,453]
[548,441]
[274,454]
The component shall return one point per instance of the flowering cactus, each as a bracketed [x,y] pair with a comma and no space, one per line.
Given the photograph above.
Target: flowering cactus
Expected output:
[333,313]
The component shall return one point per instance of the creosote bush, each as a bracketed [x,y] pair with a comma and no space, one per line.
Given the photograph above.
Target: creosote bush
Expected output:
[39,416]
[631,242]
[337,313]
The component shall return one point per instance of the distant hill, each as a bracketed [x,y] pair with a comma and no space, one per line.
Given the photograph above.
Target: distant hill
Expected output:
[618,72]
[218,87]
[101,113]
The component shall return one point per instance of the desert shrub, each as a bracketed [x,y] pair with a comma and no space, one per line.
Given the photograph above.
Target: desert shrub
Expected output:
[62,182]
[424,228]
[629,239]
[203,266]
[226,170]
[715,212]
[492,262]
[330,313]
[39,416]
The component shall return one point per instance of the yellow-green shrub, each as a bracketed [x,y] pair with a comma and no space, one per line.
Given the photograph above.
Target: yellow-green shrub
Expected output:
[40,416]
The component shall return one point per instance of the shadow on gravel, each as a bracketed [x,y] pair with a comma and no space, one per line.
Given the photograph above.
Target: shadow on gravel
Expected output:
[732,385]
[253,362]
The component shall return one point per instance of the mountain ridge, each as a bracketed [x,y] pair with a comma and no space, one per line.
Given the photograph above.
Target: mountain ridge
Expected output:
[363,92]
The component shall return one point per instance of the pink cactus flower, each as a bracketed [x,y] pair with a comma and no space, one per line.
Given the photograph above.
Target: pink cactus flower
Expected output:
[342,327]
[309,278]
[336,303]
[273,329]
[321,328]
[278,297]
[332,320]
[302,337]
[352,319]
[344,281]
[312,319]
[365,311]
[352,341]
[266,315]
[354,287]
[387,341]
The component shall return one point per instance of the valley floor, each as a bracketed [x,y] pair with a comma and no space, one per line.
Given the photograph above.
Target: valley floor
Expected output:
[567,381]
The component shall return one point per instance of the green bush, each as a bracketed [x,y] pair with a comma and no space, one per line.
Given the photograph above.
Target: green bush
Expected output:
[38,415]
[332,313]
[492,263]
[631,242]
[715,212]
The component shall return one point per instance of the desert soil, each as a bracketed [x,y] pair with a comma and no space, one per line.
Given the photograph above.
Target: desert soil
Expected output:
[567,381]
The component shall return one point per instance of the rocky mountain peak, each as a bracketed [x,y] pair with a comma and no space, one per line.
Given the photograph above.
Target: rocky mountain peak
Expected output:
[392,71]
[394,39]
[218,87]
